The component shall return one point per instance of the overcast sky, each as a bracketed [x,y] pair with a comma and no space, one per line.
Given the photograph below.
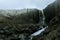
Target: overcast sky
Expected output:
[20,4]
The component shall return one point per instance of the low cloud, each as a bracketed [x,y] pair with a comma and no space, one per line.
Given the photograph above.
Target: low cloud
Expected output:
[19,4]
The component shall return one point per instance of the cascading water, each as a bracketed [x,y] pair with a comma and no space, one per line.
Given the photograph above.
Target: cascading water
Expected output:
[42,25]
[37,33]
[42,20]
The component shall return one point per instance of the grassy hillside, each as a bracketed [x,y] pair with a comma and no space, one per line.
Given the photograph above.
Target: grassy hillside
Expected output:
[12,25]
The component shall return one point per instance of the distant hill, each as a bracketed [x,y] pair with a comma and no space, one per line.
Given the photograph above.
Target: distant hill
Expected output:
[15,22]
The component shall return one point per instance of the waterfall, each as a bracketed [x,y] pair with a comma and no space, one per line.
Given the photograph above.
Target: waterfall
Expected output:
[42,20]
[42,25]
